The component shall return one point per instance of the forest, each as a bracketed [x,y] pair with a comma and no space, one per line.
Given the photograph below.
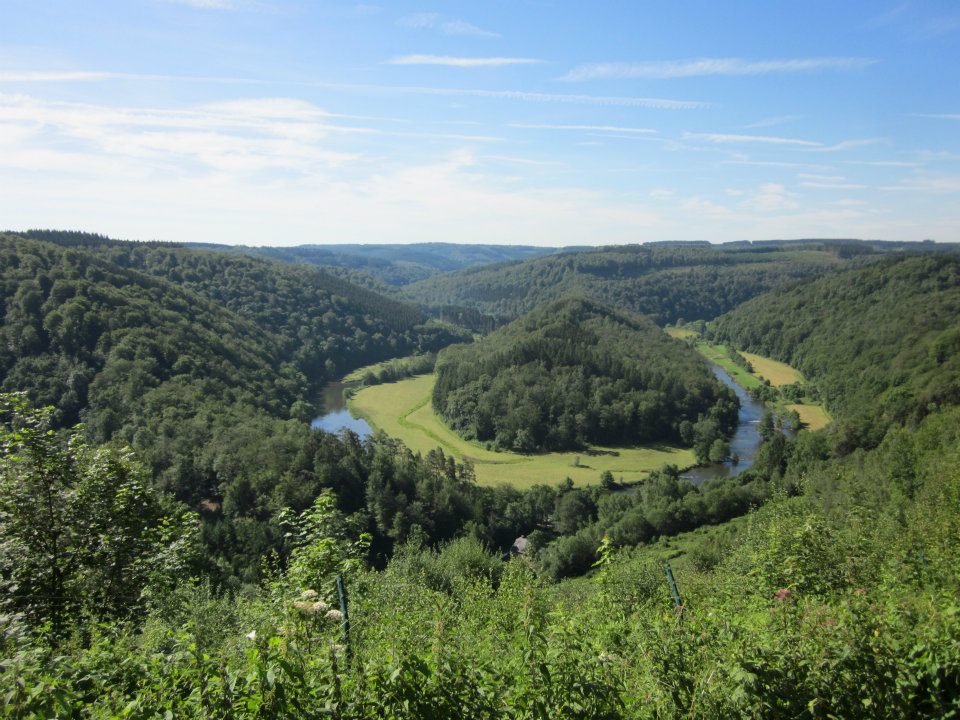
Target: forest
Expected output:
[574,372]
[176,541]
[666,282]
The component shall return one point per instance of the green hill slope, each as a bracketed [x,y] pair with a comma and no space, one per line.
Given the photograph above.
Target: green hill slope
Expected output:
[666,282]
[882,343]
[574,372]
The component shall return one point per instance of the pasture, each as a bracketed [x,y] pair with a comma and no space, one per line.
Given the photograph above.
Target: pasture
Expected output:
[776,372]
[403,410]
[719,355]
[815,417]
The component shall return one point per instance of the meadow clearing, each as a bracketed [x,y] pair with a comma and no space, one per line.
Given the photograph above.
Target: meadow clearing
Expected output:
[402,410]
[776,372]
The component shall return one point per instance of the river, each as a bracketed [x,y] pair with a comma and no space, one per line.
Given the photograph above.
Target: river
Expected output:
[336,416]
[743,444]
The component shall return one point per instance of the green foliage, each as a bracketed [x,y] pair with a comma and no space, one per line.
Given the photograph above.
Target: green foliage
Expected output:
[573,373]
[666,282]
[877,341]
[81,531]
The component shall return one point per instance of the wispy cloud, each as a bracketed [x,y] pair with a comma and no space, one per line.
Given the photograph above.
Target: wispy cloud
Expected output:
[713,66]
[596,128]
[722,138]
[465,62]
[435,21]
[55,76]
[597,100]
[206,4]
[937,116]
[848,145]
[949,185]
[822,185]
[884,163]
[771,122]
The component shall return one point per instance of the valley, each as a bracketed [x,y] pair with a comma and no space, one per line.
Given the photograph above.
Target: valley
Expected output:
[402,410]
[787,449]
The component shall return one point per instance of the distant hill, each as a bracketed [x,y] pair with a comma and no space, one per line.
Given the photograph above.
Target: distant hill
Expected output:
[391,263]
[664,281]
[575,372]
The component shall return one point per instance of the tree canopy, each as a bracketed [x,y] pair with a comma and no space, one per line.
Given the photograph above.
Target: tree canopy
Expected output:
[575,372]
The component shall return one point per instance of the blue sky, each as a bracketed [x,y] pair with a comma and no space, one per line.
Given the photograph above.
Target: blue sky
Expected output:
[280,122]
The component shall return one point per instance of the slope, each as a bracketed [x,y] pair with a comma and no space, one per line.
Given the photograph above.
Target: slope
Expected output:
[575,372]
[882,343]
[666,282]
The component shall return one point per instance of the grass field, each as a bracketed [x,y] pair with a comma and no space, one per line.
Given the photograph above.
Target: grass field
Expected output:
[719,355]
[680,333]
[776,372]
[402,410]
[815,417]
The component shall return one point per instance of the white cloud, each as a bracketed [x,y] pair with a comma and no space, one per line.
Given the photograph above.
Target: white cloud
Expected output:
[435,21]
[821,185]
[931,186]
[206,4]
[770,198]
[848,144]
[771,122]
[597,128]
[712,66]
[54,76]
[821,178]
[938,116]
[884,163]
[722,138]
[466,62]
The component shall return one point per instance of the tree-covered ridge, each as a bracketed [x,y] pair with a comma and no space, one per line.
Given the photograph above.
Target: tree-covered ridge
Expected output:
[575,372]
[78,328]
[666,282]
[206,364]
[325,324]
[390,263]
[882,343]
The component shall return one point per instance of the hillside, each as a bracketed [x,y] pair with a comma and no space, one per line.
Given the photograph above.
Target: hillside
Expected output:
[816,584]
[664,281]
[208,365]
[881,343]
[574,372]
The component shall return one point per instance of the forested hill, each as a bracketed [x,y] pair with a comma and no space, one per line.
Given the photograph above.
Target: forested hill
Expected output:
[882,343]
[179,352]
[390,263]
[666,282]
[574,372]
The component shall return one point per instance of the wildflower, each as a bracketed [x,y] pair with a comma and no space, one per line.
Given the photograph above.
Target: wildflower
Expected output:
[338,649]
[308,594]
[319,607]
[305,607]
[334,615]
[783,595]
[251,636]
[605,658]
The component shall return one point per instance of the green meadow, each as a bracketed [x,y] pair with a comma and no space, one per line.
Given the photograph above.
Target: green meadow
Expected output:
[403,410]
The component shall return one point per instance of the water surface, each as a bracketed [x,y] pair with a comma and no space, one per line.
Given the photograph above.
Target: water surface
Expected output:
[336,415]
[743,444]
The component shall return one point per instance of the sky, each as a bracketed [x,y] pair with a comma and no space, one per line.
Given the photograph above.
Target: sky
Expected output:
[284,122]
